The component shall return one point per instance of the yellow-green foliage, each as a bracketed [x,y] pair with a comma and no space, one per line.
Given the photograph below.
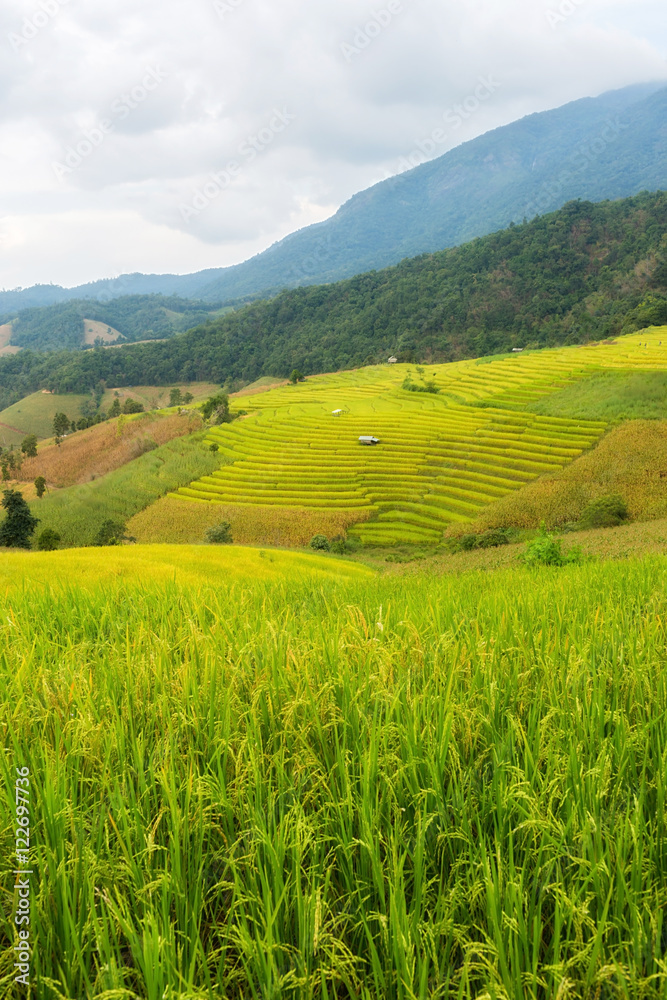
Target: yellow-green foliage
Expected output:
[154,396]
[631,461]
[443,458]
[194,565]
[172,519]
[35,413]
[77,512]
[381,788]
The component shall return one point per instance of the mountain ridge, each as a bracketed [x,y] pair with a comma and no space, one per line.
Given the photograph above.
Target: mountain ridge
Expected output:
[608,147]
[583,273]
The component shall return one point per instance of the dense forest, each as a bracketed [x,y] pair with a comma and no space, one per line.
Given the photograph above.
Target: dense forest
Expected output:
[583,273]
[136,317]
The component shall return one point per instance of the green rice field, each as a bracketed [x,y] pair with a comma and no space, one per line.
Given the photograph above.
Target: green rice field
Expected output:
[314,782]
[442,457]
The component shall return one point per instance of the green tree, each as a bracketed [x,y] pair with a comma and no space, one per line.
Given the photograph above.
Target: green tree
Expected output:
[187,398]
[296,376]
[48,540]
[29,446]
[217,409]
[175,397]
[115,409]
[220,534]
[132,406]
[40,486]
[61,426]
[111,533]
[19,524]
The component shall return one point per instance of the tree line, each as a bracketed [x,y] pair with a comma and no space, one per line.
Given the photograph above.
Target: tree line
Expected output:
[586,272]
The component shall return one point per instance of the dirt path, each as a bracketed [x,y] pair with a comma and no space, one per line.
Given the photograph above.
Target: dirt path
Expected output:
[8,427]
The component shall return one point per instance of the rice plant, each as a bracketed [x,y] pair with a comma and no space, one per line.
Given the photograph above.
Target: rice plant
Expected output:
[304,783]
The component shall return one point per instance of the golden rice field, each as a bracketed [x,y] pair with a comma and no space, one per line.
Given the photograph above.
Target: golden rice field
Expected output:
[443,459]
[631,461]
[165,564]
[180,521]
[281,776]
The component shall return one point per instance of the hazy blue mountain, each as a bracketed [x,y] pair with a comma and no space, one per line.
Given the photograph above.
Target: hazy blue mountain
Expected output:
[607,147]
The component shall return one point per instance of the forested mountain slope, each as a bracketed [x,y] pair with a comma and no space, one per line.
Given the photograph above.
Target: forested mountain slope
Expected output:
[612,146]
[583,273]
[134,317]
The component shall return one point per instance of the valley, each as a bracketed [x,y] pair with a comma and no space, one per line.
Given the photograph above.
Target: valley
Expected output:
[333,718]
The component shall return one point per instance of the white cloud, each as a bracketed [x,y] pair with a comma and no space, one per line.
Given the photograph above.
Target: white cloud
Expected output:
[223,74]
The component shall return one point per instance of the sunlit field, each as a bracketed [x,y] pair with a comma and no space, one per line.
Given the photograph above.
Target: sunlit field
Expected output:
[494,426]
[278,775]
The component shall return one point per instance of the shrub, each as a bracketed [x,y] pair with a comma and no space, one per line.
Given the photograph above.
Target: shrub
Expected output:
[220,534]
[111,533]
[132,406]
[605,512]
[217,409]
[143,446]
[411,386]
[214,447]
[19,525]
[545,550]
[320,543]
[48,540]
[29,446]
[491,539]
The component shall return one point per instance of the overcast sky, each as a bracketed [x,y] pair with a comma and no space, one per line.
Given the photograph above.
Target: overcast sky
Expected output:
[174,135]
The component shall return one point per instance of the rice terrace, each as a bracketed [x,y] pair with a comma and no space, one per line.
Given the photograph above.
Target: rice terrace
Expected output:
[406,765]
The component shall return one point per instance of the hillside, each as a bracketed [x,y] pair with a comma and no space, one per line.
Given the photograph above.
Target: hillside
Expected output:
[580,274]
[608,147]
[82,323]
[467,453]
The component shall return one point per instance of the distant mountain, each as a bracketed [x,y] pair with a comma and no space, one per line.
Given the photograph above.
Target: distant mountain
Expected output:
[608,147]
[585,272]
[80,323]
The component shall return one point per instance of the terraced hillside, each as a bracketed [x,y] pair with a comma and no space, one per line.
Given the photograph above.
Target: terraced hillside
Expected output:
[442,457]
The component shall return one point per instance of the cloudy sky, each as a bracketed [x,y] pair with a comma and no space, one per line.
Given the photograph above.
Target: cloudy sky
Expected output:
[174,135]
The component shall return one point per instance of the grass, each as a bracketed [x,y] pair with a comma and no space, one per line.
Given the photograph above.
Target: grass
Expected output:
[175,520]
[386,787]
[628,541]
[157,396]
[610,396]
[191,565]
[631,460]
[77,512]
[87,455]
[34,414]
